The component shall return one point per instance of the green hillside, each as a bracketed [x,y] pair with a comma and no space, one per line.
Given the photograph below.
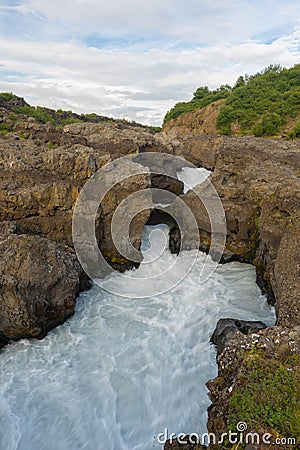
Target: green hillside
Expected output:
[14,109]
[260,104]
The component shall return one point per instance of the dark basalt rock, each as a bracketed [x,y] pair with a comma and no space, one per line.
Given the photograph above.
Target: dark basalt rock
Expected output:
[165,182]
[174,240]
[226,329]
[157,217]
[39,282]
[257,181]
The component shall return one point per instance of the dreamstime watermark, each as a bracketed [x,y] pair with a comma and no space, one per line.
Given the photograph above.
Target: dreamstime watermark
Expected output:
[240,436]
[129,175]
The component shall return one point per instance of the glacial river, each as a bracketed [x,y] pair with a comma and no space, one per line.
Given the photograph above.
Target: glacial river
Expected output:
[122,370]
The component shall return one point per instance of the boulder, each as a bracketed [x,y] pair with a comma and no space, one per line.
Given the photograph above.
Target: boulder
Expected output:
[226,329]
[39,282]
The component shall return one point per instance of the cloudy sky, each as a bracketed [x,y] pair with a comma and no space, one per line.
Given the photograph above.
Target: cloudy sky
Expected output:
[136,58]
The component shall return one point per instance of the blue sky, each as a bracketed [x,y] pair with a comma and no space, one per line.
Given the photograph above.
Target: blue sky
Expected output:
[135,59]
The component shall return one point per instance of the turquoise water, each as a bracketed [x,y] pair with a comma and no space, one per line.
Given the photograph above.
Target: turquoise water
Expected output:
[123,369]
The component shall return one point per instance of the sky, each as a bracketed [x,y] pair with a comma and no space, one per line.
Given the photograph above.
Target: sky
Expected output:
[135,59]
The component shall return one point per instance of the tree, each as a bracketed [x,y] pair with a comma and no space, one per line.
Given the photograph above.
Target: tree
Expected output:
[240,82]
[201,92]
[273,68]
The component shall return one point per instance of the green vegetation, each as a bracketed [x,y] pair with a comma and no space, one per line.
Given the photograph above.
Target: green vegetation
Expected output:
[16,109]
[4,128]
[295,133]
[51,145]
[268,395]
[45,115]
[202,97]
[262,104]
[7,96]
[259,104]
[40,114]
[36,112]
[154,130]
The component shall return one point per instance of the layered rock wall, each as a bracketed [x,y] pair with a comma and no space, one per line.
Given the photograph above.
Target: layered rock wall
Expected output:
[42,170]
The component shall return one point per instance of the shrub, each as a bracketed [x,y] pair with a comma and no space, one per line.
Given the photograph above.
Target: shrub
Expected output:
[269,125]
[263,103]
[296,132]
[202,97]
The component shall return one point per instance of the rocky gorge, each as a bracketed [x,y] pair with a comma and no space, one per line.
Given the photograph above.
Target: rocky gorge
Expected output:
[43,168]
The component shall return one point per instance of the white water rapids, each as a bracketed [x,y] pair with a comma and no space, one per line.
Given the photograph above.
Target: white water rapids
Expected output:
[122,370]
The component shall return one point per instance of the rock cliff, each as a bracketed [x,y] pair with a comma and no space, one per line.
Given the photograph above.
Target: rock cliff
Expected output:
[258,183]
[201,122]
[42,169]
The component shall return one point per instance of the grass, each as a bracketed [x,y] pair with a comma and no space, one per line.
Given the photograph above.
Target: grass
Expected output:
[268,395]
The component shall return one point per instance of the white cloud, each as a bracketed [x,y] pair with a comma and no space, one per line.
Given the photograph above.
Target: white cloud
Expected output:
[144,78]
[201,20]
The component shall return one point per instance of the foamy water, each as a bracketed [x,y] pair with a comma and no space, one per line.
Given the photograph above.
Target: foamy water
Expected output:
[192,177]
[123,369]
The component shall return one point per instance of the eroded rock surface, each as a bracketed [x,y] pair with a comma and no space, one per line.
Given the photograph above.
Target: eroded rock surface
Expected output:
[200,121]
[39,284]
[259,186]
[43,169]
[226,329]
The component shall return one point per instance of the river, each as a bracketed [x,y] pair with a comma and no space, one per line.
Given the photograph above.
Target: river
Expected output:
[122,370]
